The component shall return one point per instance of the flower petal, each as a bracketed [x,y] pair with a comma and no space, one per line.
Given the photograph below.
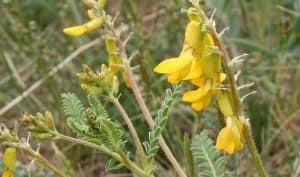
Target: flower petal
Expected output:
[197,106]
[173,65]
[195,95]
[195,71]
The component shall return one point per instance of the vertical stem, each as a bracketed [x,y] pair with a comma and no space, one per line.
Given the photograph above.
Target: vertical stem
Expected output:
[238,107]
[142,104]
[140,151]
[253,151]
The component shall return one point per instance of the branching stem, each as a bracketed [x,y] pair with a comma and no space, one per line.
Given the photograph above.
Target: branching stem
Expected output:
[120,157]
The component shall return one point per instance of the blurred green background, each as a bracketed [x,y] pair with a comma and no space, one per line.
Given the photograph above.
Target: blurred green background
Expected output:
[32,43]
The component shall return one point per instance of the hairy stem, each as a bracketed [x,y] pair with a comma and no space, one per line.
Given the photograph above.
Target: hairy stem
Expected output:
[237,104]
[249,140]
[142,104]
[140,151]
[121,157]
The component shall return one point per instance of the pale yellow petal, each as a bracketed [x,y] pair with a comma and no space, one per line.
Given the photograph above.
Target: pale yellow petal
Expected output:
[75,30]
[82,29]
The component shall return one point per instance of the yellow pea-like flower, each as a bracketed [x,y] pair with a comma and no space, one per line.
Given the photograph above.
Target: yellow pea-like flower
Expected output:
[230,137]
[188,61]
[202,103]
[195,95]
[84,28]
[9,161]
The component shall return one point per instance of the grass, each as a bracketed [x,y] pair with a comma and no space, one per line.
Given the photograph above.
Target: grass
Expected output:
[32,43]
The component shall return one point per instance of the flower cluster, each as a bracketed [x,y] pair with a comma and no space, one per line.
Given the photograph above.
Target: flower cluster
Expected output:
[40,125]
[198,62]
[104,82]
[97,18]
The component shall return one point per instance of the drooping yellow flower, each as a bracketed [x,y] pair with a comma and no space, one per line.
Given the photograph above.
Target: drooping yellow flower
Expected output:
[84,28]
[9,161]
[201,98]
[181,67]
[230,137]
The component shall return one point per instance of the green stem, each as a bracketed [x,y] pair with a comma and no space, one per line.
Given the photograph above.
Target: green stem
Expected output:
[140,151]
[237,104]
[118,156]
[252,148]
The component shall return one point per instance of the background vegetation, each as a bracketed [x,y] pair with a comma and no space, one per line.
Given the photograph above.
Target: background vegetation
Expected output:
[32,44]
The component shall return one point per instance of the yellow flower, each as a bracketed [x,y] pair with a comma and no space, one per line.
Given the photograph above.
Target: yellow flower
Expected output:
[188,64]
[9,161]
[201,97]
[84,28]
[230,137]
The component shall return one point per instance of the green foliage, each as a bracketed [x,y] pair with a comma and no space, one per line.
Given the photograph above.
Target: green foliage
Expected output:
[97,107]
[160,122]
[75,112]
[209,160]
[92,124]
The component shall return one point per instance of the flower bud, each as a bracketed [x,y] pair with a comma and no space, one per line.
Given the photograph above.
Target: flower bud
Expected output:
[84,28]
[41,126]
[104,82]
